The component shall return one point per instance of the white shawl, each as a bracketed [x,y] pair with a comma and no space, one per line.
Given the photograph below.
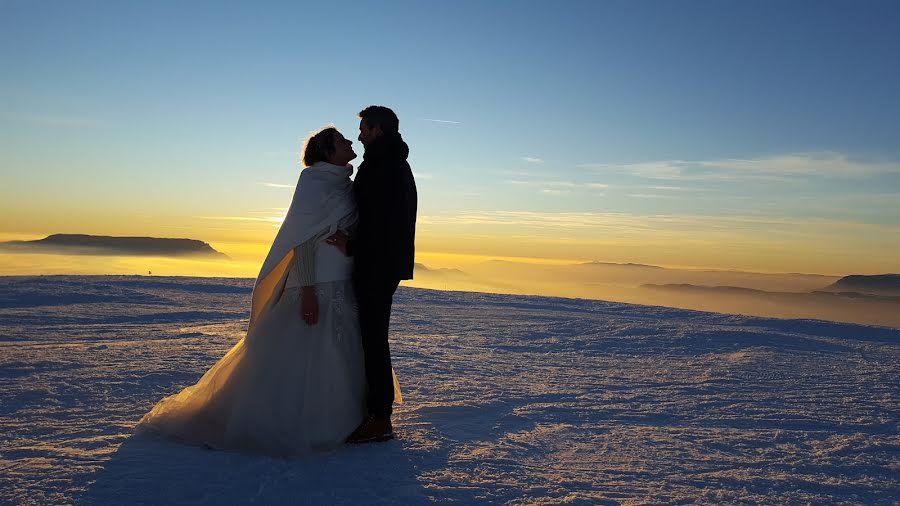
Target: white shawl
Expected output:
[323,197]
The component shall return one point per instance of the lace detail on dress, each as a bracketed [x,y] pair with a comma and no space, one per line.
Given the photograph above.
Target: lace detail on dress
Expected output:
[337,305]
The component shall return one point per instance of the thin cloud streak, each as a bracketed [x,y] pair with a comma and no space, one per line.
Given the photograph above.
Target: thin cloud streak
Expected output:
[560,184]
[557,184]
[267,219]
[278,185]
[536,220]
[515,173]
[827,164]
[560,187]
[281,154]
[447,121]
[631,223]
[676,188]
[651,196]
[62,121]
[531,159]
[791,167]
[686,171]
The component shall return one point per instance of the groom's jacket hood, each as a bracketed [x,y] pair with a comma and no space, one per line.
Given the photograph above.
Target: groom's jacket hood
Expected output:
[385,148]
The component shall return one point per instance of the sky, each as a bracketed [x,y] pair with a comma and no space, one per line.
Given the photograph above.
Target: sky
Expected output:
[756,136]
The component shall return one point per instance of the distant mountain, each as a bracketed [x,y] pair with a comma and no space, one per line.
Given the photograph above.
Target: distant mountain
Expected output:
[707,289]
[767,274]
[629,264]
[81,244]
[582,264]
[881,284]
[425,269]
[724,291]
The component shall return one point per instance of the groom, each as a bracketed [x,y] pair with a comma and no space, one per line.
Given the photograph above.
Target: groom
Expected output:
[383,250]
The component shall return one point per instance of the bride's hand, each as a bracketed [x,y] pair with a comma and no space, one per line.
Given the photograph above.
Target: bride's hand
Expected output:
[309,305]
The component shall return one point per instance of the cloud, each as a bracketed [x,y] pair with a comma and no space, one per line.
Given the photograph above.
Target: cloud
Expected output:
[441,121]
[281,154]
[650,170]
[192,227]
[556,184]
[531,159]
[651,196]
[674,188]
[62,121]
[273,215]
[783,168]
[531,219]
[278,185]
[659,224]
[559,187]
[828,164]
[266,219]
[516,173]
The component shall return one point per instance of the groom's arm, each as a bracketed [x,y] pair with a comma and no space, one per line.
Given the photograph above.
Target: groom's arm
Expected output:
[379,201]
[341,241]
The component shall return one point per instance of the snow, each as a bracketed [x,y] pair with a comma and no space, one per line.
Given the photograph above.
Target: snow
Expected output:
[509,399]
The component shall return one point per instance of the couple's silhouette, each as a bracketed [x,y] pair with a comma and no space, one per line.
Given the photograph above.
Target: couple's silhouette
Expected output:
[314,369]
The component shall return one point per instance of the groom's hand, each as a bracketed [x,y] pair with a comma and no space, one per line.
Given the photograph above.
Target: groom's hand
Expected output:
[309,305]
[339,240]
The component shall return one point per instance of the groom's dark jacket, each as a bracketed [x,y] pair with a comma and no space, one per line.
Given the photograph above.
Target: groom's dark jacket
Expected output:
[383,245]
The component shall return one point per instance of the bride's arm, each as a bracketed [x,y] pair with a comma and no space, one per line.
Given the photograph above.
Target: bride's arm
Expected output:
[305,268]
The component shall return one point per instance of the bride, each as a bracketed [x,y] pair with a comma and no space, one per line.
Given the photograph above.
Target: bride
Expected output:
[296,382]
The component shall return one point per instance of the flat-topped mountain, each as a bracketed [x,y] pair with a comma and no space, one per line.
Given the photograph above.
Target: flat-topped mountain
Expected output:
[880,284]
[82,244]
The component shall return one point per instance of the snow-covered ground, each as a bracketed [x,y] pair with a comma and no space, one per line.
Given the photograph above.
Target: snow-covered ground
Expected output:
[508,399]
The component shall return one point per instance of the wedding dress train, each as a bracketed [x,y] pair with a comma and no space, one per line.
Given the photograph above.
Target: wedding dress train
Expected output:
[287,388]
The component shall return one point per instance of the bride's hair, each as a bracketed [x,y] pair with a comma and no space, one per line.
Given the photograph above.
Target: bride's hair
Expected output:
[319,146]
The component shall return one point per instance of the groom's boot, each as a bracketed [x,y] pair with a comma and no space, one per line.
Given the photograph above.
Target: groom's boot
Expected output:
[373,430]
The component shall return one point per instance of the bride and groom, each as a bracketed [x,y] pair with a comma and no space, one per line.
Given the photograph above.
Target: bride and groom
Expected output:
[314,369]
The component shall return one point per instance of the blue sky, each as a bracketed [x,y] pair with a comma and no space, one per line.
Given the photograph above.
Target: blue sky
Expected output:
[781,110]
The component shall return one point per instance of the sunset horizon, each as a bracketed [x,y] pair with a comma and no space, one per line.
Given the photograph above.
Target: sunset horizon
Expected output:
[637,147]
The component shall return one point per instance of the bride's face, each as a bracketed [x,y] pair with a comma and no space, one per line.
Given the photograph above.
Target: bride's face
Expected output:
[343,151]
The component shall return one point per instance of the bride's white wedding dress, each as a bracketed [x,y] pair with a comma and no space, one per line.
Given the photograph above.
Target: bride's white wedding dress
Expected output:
[286,388]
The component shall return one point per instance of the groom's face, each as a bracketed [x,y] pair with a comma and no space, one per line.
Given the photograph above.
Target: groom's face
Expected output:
[366,134]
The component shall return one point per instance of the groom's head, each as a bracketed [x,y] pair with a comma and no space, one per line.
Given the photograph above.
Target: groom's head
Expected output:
[375,121]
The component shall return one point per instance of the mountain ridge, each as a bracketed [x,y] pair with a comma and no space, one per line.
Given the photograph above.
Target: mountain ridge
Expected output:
[878,284]
[85,244]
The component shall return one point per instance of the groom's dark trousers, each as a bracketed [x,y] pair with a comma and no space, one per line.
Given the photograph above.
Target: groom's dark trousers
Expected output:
[374,299]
